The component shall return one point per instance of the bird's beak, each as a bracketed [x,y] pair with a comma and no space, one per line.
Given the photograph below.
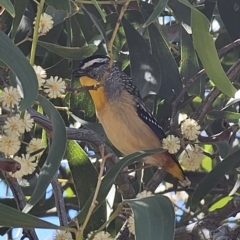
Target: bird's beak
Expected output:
[78,72]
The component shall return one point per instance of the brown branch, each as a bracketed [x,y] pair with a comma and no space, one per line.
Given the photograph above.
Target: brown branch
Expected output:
[221,52]
[207,102]
[157,178]
[59,201]
[208,226]
[21,203]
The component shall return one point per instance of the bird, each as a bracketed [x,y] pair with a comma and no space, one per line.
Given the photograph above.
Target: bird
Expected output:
[127,122]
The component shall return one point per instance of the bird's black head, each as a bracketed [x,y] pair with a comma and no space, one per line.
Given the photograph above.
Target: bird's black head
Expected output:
[93,67]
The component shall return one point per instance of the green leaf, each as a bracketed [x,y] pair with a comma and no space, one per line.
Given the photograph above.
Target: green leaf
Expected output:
[74,53]
[20,7]
[213,115]
[60,4]
[171,80]
[219,204]
[161,5]
[102,14]
[155,215]
[55,155]
[214,177]
[17,62]
[83,172]
[85,179]
[8,6]
[145,70]
[110,177]
[11,217]
[97,24]
[182,14]
[205,47]
[189,64]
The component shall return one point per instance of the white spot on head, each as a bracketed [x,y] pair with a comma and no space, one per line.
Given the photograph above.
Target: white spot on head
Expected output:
[93,61]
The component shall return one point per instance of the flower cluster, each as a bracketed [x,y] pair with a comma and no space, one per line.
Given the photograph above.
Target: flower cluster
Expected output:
[100,236]
[190,129]
[54,86]
[45,24]
[191,158]
[63,235]
[13,129]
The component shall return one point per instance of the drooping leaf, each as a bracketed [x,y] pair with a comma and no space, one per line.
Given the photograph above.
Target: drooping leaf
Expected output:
[83,172]
[213,178]
[189,64]
[102,14]
[85,179]
[8,6]
[20,7]
[171,80]
[60,4]
[155,215]
[204,45]
[219,204]
[230,16]
[144,68]
[17,62]
[213,115]
[97,24]
[74,53]
[11,217]
[161,5]
[110,177]
[55,155]
[182,14]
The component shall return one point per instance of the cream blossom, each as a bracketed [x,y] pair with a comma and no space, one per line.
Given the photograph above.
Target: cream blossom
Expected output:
[144,194]
[41,75]
[190,129]
[191,158]
[45,24]
[28,165]
[9,144]
[100,236]
[27,122]
[54,87]
[14,126]
[131,224]
[171,143]
[10,97]
[63,235]
[35,145]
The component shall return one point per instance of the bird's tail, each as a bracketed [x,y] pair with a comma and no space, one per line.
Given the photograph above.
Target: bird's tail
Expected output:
[172,166]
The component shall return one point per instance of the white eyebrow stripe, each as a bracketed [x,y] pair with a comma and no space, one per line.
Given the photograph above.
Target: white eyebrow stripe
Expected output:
[91,62]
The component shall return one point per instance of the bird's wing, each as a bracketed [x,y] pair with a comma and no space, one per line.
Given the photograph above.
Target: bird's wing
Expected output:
[149,119]
[144,114]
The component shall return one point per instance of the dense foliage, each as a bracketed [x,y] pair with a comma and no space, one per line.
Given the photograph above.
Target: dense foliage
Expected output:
[183,57]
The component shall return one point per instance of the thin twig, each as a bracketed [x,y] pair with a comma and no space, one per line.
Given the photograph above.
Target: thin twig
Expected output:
[94,201]
[221,52]
[110,44]
[104,2]
[82,89]
[207,102]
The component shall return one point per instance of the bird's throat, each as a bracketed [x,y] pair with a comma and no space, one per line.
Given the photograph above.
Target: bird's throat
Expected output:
[98,96]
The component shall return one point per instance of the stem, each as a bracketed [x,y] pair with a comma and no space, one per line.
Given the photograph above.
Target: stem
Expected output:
[110,44]
[35,33]
[94,201]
